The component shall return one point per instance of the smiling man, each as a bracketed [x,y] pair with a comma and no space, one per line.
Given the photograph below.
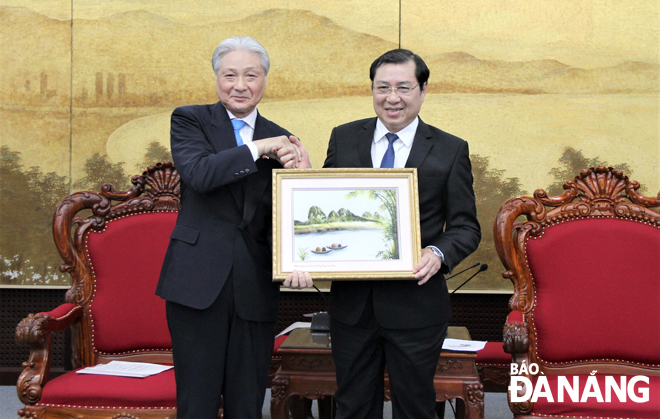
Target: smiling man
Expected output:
[401,324]
[216,276]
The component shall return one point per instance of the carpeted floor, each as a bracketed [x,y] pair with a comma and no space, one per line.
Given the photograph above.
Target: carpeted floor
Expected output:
[496,406]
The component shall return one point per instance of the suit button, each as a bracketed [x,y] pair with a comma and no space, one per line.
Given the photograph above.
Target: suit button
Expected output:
[236,175]
[242,173]
[247,170]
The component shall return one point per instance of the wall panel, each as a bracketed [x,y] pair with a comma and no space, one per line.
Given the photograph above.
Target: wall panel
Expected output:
[539,90]
[35,85]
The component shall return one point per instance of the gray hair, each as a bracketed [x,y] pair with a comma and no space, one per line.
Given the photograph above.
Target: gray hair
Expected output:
[240,43]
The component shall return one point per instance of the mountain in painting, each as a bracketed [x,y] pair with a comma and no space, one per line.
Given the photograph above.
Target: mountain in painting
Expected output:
[139,58]
[458,72]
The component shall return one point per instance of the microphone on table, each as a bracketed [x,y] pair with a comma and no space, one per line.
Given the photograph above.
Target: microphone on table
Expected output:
[320,320]
[466,269]
[322,295]
[481,269]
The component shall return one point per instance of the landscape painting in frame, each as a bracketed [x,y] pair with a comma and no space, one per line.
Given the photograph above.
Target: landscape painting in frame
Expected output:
[326,226]
[346,224]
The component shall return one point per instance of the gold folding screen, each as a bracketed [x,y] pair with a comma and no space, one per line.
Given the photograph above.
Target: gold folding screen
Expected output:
[539,90]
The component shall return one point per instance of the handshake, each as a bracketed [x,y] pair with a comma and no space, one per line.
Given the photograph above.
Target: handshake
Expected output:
[286,150]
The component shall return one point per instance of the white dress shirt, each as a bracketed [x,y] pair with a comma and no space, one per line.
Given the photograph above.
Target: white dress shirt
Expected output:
[247,132]
[402,145]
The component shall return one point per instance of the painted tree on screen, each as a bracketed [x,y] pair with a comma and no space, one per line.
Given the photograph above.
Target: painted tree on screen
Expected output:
[491,189]
[99,170]
[29,198]
[571,162]
[155,153]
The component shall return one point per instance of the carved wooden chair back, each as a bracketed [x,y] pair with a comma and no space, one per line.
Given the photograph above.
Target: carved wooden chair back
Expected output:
[585,268]
[113,245]
[114,257]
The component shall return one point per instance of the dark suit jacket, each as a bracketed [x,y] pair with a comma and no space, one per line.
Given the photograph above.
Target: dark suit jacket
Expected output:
[448,220]
[225,220]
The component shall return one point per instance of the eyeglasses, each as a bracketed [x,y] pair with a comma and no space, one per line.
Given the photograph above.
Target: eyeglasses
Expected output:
[399,90]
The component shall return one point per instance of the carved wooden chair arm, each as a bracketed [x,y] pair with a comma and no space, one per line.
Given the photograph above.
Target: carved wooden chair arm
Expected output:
[35,331]
[516,336]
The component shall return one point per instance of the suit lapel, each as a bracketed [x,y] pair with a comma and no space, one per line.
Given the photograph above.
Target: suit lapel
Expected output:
[222,135]
[421,145]
[222,138]
[365,138]
[256,184]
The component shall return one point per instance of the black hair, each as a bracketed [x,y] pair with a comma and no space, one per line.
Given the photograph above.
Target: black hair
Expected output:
[402,56]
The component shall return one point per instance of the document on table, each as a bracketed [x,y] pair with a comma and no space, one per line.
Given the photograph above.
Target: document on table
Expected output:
[296,325]
[463,345]
[126,369]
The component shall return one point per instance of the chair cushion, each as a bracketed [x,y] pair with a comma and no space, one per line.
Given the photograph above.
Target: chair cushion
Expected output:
[278,342]
[95,391]
[591,408]
[126,258]
[493,355]
[575,315]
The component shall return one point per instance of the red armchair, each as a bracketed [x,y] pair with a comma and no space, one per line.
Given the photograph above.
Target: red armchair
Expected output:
[586,272]
[493,364]
[113,245]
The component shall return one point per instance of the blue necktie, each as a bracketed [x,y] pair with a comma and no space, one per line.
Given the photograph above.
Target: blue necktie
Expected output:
[388,158]
[238,124]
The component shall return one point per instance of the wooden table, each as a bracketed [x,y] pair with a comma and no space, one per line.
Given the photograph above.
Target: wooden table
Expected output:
[308,370]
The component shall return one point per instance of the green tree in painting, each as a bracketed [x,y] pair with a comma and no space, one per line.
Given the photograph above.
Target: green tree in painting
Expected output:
[491,188]
[30,197]
[155,153]
[387,198]
[571,162]
[27,253]
[100,170]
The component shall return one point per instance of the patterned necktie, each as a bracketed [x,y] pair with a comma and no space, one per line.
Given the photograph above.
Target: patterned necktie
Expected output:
[388,158]
[238,124]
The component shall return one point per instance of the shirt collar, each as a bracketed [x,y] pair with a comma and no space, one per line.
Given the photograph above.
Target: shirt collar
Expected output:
[406,135]
[251,119]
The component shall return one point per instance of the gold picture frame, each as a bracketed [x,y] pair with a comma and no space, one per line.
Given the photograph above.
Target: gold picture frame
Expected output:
[346,224]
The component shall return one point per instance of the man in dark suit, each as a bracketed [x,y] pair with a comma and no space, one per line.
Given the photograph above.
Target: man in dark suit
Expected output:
[216,277]
[401,323]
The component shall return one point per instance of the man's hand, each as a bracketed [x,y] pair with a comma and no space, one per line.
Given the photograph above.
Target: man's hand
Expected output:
[304,162]
[286,156]
[428,266]
[280,148]
[299,280]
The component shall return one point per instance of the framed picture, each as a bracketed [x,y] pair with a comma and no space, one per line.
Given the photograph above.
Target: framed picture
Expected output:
[346,224]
